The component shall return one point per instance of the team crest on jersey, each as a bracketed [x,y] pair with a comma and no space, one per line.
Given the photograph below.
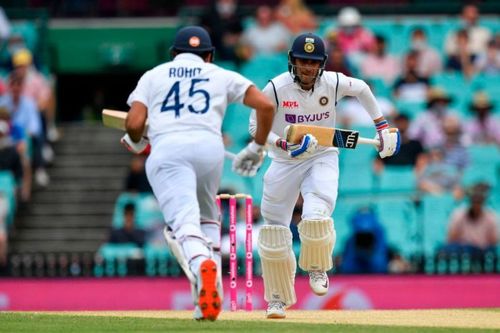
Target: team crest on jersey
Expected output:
[323,100]
[194,41]
[309,47]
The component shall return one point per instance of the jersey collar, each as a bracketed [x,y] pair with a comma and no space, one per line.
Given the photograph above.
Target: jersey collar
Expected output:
[188,56]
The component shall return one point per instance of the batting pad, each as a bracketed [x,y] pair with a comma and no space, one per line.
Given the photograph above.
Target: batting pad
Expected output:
[278,264]
[317,239]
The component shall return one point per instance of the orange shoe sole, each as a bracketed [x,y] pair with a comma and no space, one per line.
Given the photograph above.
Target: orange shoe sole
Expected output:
[208,298]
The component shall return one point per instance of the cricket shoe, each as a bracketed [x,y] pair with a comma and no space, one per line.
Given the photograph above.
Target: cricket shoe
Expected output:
[208,295]
[275,310]
[318,280]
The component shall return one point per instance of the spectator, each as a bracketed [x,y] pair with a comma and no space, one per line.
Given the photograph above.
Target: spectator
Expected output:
[223,23]
[9,156]
[483,127]
[379,64]
[478,36]
[337,60]
[489,62]
[455,142]
[411,152]
[266,36]
[128,233]
[462,59]
[24,114]
[366,250]
[474,228]
[137,180]
[411,86]
[439,177]
[295,15]
[428,59]
[37,87]
[352,37]
[428,126]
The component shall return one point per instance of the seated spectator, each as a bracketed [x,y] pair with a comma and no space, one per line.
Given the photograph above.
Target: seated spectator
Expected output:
[352,37]
[473,228]
[411,86]
[462,59]
[128,233]
[24,113]
[137,180]
[223,22]
[478,36]
[366,249]
[379,64]
[427,127]
[337,60]
[439,177]
[428,59]
[266,36]
[483,128]
[489,62]
[295,15]
[411,152]
[10,160]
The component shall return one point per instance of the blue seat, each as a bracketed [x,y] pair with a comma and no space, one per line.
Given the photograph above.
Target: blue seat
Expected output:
[342,214]
[484,165]
[115,257]
[8,189]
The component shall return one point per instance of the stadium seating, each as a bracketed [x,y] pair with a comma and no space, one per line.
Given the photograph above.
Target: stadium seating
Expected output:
[8,189]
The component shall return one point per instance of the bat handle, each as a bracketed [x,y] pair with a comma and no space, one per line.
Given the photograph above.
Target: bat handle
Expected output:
[229,155]
[367,141]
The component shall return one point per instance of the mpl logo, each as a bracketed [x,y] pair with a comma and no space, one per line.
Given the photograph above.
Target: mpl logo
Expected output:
[290,104]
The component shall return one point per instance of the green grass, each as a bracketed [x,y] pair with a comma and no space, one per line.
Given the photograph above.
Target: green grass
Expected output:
[42,323]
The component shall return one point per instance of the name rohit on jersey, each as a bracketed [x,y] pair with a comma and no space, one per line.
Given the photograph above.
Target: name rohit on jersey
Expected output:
[301,118]
[181,72]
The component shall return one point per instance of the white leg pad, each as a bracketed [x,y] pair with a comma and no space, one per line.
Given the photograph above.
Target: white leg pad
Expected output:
[317,238]
[278,264]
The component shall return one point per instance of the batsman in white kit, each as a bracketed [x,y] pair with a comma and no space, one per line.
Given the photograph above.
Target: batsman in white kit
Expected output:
[184,102]
[306,94]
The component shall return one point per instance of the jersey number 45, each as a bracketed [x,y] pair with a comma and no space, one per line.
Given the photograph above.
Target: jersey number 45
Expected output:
[172,101]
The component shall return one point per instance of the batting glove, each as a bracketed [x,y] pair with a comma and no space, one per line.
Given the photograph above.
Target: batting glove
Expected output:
[390,141]
[248,161]
[304,149]
[140,148]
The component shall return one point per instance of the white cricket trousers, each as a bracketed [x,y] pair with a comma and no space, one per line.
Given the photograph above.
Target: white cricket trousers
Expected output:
[316,178]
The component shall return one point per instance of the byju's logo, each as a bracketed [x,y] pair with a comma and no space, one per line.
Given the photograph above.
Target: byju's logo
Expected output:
[301,118]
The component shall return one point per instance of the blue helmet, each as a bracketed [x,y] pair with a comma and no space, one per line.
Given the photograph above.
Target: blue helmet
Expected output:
[307,46]
[193,39]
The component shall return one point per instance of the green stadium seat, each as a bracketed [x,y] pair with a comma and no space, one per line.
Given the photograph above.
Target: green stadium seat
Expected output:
[400,220]
[148,212]
[411,108]
[159,261]
[342,214]
[116,255]
[121,201]
[484,165]
[8,189]
[397,178]
[435,215]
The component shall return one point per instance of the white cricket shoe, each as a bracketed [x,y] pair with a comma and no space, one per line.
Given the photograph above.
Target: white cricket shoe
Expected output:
[318,280]
[275,310]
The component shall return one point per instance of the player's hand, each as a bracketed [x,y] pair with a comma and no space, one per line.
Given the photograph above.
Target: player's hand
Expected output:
[304,149]
[141,148]
[248,161]
[390,141]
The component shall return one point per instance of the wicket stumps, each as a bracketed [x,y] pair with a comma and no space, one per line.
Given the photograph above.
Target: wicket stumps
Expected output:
[233,260]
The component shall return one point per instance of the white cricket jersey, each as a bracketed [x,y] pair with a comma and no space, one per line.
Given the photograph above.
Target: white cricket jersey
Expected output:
[314,107]
[187,95]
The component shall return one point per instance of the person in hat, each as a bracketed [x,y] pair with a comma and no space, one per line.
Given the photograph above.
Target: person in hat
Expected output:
[483,127]
[473,228]
[184,102]
[427,127]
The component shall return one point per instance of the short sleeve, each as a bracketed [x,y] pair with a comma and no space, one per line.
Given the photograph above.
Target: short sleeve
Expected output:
[237,85]
[141,91]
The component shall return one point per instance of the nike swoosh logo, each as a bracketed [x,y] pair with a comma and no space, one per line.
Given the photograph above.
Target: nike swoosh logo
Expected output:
[325,285]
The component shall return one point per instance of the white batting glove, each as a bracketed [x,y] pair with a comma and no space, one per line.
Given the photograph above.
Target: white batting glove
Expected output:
[141,147]
[248,161]
[390,141]
[304,149]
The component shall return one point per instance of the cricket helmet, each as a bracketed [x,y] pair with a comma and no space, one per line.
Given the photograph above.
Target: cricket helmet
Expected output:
[193,39]
[307,46]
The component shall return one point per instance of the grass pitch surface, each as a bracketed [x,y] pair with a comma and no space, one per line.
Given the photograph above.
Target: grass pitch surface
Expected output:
[375,321]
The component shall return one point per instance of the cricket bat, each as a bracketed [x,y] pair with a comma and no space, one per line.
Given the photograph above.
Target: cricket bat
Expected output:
[116,119]
[327,136]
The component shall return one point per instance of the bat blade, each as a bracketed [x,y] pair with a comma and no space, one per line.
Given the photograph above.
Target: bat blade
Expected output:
[116,119]
[327,136]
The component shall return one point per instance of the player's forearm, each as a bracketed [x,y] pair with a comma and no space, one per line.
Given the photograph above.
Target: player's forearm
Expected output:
[369,103]
[136,121]
[265,121]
